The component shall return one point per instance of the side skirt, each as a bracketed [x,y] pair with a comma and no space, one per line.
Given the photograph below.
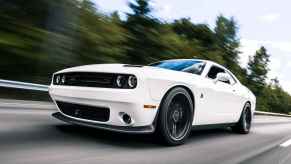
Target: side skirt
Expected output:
[212,126]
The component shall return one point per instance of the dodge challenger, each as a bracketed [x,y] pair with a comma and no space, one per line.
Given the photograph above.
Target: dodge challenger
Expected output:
[168,98]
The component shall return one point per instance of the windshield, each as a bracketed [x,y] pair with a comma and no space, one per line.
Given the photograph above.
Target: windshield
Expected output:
[191,66]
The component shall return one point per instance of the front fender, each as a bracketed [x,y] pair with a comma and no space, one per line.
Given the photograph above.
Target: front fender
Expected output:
[158,88]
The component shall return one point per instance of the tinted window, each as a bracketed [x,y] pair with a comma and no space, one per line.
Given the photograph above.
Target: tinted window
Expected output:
[191,66]
[214,71]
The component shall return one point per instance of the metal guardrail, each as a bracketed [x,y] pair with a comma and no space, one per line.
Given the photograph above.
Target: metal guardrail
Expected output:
[271,114]
[26,104]
[23,85]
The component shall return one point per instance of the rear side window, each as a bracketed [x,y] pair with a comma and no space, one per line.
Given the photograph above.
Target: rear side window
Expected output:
[214,71]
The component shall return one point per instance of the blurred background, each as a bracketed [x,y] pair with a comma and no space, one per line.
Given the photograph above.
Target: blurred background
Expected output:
[39,37]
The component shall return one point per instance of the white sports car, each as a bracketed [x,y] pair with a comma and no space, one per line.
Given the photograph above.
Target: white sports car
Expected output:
[168,97]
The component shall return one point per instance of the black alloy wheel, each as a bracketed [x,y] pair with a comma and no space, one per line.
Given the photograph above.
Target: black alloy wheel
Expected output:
[176,116]
[245,121]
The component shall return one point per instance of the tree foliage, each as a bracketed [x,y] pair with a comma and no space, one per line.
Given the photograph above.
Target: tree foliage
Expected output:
[258,69]
[226,32]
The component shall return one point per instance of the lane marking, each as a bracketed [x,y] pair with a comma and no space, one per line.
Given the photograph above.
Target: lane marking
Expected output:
[286,143]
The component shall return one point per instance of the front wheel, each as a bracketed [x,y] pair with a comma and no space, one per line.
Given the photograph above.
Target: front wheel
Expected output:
[175,117]
[245,121]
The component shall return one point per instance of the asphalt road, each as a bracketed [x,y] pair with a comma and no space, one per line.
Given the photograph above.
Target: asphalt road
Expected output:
[33,136]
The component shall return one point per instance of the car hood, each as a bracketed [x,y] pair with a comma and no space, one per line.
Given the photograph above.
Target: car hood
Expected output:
[138,70]
[105,68]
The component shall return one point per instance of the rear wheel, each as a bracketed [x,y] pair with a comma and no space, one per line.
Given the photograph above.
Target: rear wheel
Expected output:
[175,117]
[245,121]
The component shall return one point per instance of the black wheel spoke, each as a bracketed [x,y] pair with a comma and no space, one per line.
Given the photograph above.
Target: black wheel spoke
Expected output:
[243,126]
[247,119]
[178,118]
[244,121]
[174,130]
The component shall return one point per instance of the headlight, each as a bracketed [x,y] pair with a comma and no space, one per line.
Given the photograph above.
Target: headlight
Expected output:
[63,80]
[120,81]
[132,81]
[57,79]
[126,81]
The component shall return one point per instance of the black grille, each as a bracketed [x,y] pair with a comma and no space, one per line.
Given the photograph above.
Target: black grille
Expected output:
[84,111]
[90,79]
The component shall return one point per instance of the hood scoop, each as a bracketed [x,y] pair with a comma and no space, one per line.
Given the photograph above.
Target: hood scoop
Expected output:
[132,65]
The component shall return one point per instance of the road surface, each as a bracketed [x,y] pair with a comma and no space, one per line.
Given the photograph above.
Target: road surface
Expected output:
[33,136]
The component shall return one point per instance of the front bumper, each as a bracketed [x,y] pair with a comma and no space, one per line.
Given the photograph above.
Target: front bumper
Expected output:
[123,129]
[129,101]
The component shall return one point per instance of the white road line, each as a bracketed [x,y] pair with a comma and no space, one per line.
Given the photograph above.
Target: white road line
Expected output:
[286,143]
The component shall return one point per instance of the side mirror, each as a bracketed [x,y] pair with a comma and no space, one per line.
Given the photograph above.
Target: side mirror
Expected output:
[223,77]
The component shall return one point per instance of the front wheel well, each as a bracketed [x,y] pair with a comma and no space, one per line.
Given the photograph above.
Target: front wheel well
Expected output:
[165,95]
[165,117]
[182,86]
[249,108]
[248,102]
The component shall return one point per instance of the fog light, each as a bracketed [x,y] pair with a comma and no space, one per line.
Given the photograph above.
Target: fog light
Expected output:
[126,118]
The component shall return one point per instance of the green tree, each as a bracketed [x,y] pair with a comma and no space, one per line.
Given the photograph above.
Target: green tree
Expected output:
[276,98]
[42,36]
[140,8]
[100,37]
[144,40]
[26,29]
[258,69]
[200,32]
[226,31]
[200,38]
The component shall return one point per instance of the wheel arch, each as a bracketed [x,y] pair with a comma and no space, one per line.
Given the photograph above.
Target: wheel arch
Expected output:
[186,88]
[251,107]
[247,102]
[167,92]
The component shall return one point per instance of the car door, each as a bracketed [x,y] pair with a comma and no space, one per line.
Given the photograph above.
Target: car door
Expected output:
[217,99]
[237,99]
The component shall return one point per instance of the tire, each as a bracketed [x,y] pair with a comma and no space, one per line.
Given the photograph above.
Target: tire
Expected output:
[175,117]
[245,121]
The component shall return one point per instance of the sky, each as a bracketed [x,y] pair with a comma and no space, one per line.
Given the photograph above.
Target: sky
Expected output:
[261,23]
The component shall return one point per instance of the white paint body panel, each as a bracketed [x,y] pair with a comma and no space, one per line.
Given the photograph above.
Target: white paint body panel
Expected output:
[215,103]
